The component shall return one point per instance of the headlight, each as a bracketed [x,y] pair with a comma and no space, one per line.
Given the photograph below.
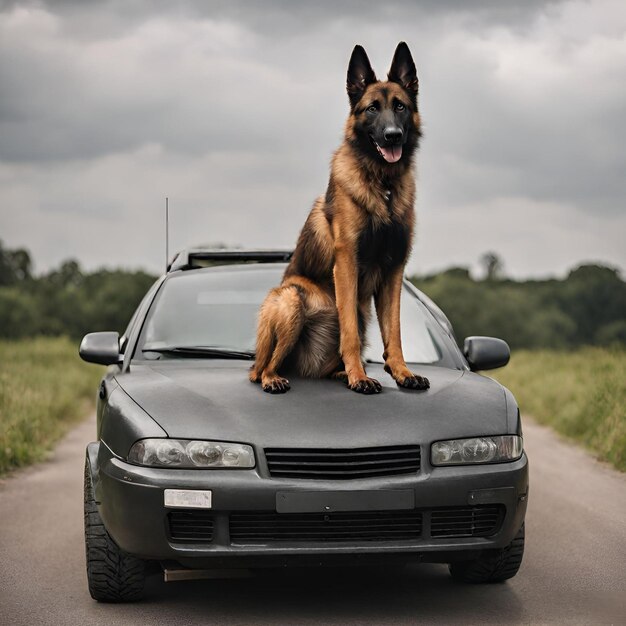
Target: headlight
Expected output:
[184,453]
[477,450]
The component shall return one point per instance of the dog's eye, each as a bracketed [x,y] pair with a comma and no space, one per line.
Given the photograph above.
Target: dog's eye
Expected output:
[400,106]
[372,108]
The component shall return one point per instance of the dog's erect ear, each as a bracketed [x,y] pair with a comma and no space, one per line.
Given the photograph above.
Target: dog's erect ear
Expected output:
[403,70]
[360,75]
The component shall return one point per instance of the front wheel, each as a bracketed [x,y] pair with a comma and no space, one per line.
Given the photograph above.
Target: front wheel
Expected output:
[493,566]
[112,575]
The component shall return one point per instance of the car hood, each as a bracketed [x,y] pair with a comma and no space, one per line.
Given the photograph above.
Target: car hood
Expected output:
[213,399]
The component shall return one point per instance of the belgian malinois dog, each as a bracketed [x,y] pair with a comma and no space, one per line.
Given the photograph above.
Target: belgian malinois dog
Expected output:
[354,244]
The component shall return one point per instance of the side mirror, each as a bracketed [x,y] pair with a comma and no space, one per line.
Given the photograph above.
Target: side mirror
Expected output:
[102,348]
[486,353]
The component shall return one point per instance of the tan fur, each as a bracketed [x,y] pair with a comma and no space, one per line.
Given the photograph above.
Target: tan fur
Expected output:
[311,322]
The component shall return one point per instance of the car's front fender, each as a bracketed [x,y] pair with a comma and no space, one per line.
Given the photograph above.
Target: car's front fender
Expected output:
[124,422]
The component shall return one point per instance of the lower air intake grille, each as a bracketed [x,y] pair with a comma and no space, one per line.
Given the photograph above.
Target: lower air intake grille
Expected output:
[470,521]
[355,526]
[194,526]
[342,464]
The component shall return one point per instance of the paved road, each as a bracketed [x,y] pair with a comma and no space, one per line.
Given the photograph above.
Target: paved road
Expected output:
[574,571]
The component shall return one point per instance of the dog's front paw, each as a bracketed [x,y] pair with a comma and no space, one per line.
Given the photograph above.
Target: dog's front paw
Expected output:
[405,378]
[413,381]
[276,384]
[366,385]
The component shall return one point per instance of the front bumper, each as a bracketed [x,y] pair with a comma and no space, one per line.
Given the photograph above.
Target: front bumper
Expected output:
[130,502]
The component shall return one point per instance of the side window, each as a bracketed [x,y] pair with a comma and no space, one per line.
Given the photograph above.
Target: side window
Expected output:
[133,320]
[129,328]
[438,314]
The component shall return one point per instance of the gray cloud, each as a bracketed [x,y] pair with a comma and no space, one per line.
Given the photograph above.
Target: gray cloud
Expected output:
[283,17]
[233,109]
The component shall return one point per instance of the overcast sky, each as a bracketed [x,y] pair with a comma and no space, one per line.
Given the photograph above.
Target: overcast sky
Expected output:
[233,109]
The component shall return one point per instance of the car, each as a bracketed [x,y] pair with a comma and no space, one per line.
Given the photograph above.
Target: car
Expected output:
[195,469]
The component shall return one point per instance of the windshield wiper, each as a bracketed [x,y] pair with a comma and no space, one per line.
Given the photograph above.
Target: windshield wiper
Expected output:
[203,351]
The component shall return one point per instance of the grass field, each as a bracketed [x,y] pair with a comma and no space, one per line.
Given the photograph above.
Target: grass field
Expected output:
[44,389]
[581,394]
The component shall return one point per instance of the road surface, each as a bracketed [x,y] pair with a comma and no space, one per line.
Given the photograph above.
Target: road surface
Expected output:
[574,570]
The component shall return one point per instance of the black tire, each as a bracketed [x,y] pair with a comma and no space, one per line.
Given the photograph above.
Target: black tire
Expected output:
[493,566]
[112,575]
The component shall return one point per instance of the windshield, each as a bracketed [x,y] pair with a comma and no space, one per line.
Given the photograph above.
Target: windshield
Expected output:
[218,309]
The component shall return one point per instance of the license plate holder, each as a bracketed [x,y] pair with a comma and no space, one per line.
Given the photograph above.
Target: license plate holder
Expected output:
[328,501]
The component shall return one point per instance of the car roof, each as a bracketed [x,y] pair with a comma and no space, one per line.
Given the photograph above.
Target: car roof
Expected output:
[194,258]
[271,271]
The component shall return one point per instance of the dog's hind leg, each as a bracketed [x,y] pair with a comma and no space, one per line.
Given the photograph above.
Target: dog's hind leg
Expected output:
[341,375]
[264,347]
[280,324]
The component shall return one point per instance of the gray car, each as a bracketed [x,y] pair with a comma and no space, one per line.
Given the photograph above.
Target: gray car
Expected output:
[195,469]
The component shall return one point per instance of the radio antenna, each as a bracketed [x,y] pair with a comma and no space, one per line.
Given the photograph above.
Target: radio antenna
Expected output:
[167,233]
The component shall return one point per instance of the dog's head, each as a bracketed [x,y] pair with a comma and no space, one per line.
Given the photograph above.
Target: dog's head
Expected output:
[384,124]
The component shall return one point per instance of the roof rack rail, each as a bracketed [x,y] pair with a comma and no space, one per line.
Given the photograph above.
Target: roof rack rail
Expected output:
[196,258]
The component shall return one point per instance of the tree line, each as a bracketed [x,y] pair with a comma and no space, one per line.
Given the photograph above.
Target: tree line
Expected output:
[588,307]
[66,300]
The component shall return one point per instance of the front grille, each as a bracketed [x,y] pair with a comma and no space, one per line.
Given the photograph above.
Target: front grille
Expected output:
[342,464]
[263,527]
[468,521]
[194,526]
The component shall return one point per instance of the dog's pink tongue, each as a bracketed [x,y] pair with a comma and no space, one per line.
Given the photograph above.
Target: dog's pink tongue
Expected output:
[391,154]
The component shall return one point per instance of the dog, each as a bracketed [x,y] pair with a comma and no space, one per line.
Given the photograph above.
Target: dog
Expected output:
[353,246]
